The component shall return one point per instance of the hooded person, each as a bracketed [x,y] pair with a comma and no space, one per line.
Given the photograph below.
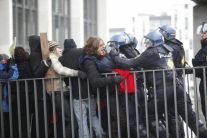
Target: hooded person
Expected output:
[39,69]
[39,66]
[70,59]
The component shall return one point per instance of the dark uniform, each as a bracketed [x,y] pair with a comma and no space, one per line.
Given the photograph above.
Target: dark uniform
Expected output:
[160,57]
[178,55]
[201,60]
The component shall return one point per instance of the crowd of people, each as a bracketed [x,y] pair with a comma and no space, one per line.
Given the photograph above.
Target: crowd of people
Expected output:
[101,90]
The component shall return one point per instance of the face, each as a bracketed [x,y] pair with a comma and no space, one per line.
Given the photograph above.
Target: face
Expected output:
[204,35]
[147,43]
[101,49]
[3,61]
[58,51]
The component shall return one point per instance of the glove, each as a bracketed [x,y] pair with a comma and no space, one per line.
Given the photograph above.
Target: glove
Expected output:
[82,74]
[113,52]
[118,79]
[47,62]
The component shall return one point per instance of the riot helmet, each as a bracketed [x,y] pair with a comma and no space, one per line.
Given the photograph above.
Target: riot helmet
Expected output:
[202,28]
[168,32]
[119,40]
[133,40]
[152,39]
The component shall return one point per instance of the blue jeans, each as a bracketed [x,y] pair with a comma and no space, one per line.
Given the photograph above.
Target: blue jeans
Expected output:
[82,121]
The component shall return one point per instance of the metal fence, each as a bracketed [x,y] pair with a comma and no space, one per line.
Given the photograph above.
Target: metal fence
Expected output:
[158,109]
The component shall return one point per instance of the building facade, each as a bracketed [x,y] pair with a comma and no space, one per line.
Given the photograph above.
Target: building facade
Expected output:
[60,19]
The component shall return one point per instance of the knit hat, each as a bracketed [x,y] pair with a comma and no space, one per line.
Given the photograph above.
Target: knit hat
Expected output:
[52,45]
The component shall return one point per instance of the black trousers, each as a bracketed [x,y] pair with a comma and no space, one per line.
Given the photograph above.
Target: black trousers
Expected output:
[202,95]
[122,106]
[67,115]
[5,125]
[180,94]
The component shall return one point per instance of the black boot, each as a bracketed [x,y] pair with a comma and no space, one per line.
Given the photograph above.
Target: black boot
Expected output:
[142,132]
[202,130]
[173,130]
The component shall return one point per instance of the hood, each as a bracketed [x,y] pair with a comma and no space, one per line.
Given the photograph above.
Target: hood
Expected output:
[34,43]
[175,41]
[69,44]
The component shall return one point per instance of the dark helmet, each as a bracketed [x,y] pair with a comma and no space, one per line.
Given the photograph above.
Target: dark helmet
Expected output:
[123,39]
[202,28]
[168,32]
[153,38]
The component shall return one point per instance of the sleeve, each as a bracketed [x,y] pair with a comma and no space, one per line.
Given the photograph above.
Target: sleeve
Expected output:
[124,63]
[139,61]
[38,67]
[200,59]
[95,78]
[11,74]
[15,74]
[6,75]
[60,69]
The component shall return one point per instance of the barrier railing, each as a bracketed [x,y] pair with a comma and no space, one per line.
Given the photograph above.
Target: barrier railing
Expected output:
[152,103]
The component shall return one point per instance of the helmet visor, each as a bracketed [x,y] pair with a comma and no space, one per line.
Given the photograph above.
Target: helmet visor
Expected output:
[202,28]
[145,44]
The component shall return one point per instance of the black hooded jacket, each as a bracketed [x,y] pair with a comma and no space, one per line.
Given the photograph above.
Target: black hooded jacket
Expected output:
[70,59]
[38,67]
[200,59]
[178,52]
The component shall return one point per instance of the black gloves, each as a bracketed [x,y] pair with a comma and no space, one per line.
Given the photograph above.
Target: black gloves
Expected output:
[118,79]
[114,52]
[82,74]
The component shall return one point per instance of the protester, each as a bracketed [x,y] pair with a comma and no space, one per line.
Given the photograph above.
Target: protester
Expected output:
[54,86]
[8,71]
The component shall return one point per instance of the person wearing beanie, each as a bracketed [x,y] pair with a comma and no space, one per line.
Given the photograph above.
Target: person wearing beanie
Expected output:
[55,87]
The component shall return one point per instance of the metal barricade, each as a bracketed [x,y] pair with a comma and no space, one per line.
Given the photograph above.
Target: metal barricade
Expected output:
[159,106]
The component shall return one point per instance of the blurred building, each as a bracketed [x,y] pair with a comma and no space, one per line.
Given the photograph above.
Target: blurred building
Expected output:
[180,16]
[199,16]
[61,19]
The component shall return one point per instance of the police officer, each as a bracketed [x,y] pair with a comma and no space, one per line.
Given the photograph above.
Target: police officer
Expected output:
[201,60]
[178,55]
[126,44]
[159,56]
[169,35]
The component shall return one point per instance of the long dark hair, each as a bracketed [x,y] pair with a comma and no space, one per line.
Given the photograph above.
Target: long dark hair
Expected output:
[20,55]
[21,59]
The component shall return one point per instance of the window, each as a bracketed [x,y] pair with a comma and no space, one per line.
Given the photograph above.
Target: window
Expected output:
[60,20]
[186,27]
[24,20]
[90,18]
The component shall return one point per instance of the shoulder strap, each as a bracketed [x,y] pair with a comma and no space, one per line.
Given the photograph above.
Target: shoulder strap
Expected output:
[168,48]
